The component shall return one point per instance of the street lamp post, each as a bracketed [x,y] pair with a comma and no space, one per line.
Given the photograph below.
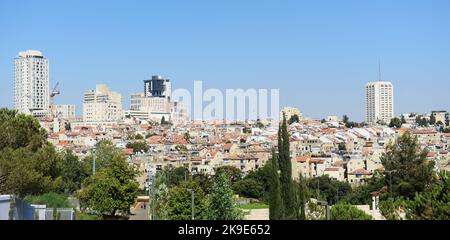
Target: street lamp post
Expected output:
[192,203]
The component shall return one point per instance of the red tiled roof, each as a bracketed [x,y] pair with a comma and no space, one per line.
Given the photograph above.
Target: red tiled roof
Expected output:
[361,171]
[302,158]
[316,160]
[424,132]
[380,168]
[227,146]
[328,130]
[241,157]
[128,151]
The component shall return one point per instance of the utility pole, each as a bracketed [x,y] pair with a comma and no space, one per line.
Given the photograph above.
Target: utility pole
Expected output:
[337,195]
[151,189]
[318,188]
[192,203]
[93,164]
[390,180]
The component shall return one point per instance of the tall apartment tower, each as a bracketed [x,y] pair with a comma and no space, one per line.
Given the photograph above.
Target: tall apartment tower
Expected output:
[101,105]
[158,87]
[31,83]
[379,102]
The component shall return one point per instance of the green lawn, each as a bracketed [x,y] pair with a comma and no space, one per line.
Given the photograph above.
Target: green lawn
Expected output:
[253,206]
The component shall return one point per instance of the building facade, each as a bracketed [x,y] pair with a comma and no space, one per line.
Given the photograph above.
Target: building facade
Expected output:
[31,83]
[102,105]
[65,111]
[379,102]
[136,101]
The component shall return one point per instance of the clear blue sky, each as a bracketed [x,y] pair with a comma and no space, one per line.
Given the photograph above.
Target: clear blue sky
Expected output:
[318,53]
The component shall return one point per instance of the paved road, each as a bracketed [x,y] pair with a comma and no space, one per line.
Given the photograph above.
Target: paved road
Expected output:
[258,214]
[139,213]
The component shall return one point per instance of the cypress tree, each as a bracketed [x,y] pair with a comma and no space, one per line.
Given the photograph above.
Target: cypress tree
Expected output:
[301,198]
[287,188]
[275,201]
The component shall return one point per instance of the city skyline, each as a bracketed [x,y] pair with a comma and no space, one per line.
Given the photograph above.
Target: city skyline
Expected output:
[320,72]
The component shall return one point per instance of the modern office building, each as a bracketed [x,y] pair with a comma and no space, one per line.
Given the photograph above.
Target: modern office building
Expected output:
[101,105]
[31,83]
[65,111]
[379,102]
[158,87]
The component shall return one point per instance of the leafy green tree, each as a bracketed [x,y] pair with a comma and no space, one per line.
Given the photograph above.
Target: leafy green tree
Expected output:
[138,146]
[104,152]
[422,122]
[72,173]
[187,137]
[181,148]
[444,130]
[294,119]
[344,211]
[205,181]
[284,161]
[392,208]
[361,195]
[247,130]
[221,202]
[395,123]
[342,146]
[179,206]
[112,189]
[24,171]
[433,204]
[233,173]
[256,184]
[249,187]
[345,119]
[259,124]
[403,119]
[67,126]
[407,164]
[330,189]
[138,137]
[275,202]
[149,135]
[175,176]
[20,131]
[163,121]
[432,119]
[161,197]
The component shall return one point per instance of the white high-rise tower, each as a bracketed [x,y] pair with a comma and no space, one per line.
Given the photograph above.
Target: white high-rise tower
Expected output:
[379,102]
[31,83]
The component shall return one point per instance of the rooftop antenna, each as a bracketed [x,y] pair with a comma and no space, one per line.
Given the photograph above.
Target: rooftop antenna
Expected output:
[379,69]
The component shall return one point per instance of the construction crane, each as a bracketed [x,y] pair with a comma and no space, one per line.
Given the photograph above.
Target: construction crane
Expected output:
[54,92]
